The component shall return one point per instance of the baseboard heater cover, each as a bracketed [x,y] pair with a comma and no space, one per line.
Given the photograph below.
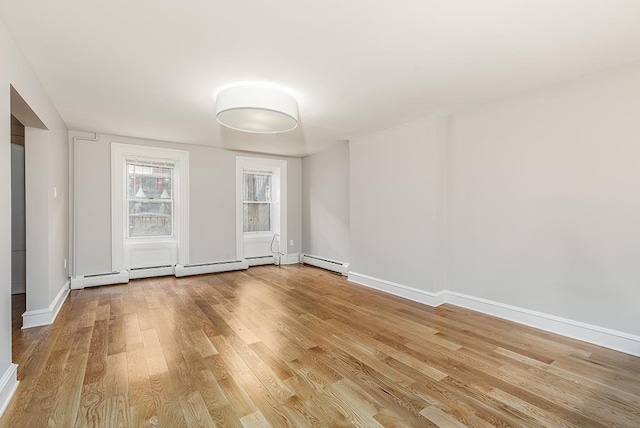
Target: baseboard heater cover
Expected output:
[199,269]
[261,260]
[321,262]
[149,272]
[94,280]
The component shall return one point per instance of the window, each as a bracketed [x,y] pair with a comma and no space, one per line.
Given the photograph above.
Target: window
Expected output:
[149,198]
[256,198]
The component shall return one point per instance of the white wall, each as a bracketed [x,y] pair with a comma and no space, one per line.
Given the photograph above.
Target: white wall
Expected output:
[212,196]
[325,204]
[545,200]
[397,204]
[54,216]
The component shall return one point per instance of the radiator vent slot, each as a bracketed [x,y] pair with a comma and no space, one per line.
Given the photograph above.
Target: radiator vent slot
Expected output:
[151,267]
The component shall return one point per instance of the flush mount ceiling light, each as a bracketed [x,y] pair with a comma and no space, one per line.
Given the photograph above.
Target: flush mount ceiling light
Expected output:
[256,109]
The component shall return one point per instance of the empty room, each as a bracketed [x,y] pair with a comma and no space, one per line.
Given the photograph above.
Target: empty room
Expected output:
[319,214]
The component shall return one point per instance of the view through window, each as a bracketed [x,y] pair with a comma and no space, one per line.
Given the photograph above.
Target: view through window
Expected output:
[149,199]
[256,196]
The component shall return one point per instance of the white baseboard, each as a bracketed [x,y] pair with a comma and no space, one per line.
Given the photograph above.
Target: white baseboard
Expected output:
[151,272]
[601,336]
[181,271]
[82,281]
[18,287]
[8,385]
[291,259]
[259,261]
[420,296]
[47,316]
[324,263]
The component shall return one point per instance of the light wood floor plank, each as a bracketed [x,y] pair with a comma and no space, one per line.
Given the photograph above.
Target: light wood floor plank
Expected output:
[298,346]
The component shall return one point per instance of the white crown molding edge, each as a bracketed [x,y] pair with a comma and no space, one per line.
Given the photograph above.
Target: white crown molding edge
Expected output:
[596,335]
[47,316]
[8,385]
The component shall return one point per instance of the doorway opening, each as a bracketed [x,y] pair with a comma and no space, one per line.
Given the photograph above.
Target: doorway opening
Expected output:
[23,119]
[18,224]
[261,222]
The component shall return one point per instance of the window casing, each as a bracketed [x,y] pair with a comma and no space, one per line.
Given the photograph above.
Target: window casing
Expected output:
[256,201]
[150,198]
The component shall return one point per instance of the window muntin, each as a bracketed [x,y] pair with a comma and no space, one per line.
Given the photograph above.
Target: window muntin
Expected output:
[149,199]
[256,197]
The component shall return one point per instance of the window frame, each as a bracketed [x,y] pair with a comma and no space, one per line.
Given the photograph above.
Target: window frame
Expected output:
[120,244]
[279,223]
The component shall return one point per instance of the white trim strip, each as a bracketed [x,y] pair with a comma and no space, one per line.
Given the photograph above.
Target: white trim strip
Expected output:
[324,263]
[291,259]
[47,316]
[8,385]
[181,271]
[601,336]
[420,296]
[81,281]
[260,261]
[151,272]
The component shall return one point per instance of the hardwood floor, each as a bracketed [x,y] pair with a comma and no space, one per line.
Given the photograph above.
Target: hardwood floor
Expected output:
[299,346]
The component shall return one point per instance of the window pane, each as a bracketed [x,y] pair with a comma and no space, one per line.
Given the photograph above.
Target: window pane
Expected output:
[149,182]
[150,218]
[256,187]
[257,217]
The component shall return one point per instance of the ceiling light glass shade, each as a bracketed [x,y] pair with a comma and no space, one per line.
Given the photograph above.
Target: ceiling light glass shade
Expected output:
[256,109]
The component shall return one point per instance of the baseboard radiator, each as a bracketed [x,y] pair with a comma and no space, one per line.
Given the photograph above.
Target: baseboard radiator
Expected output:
[150,272]
[199,269]
[328,264]
[111,278]
[262,260]
[108,278]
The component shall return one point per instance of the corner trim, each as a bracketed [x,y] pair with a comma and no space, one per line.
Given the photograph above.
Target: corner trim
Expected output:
[8,385]
[47,316]
[596,335]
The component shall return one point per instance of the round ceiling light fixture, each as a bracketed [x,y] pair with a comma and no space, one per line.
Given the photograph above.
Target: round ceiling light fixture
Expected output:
[261,110]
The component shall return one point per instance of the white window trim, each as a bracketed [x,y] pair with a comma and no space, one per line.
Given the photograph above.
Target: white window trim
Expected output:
[119,154]
[275,166]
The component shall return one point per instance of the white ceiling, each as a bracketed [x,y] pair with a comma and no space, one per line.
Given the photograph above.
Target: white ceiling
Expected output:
[148,68]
